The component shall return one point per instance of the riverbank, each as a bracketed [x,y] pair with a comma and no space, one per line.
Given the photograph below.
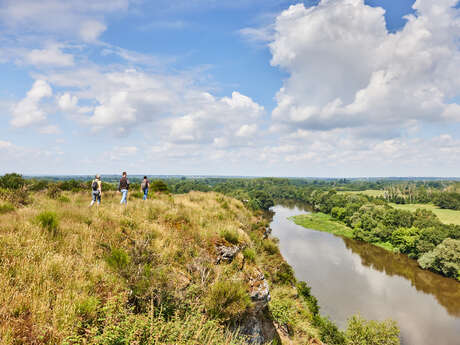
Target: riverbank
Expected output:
[323,222]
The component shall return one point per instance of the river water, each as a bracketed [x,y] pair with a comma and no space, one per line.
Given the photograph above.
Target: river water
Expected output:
[350,277]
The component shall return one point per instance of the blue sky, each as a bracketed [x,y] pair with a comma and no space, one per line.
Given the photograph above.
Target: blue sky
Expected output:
[263,88]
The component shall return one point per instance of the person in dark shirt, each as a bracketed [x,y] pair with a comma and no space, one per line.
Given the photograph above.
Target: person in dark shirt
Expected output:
[145,187]
[123,187]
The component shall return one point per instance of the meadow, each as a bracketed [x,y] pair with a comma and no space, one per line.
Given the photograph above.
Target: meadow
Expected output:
[446,216]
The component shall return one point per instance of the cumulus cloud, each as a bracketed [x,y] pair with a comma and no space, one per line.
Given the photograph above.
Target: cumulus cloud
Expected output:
[172,105]
[347,71]
[29,111]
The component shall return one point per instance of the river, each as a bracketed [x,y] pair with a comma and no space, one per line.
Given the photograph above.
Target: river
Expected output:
[350,277]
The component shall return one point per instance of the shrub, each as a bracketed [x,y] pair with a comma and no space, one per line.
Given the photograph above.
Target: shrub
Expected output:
[12,181]
[305,291]
[87,309]
[285,274]
[249,254]
[48,220]
[159,186]
[15,196]
[6,207]
[230,236]
[118,259]
[362,332]
[53,191]
[227,300]
[270,247]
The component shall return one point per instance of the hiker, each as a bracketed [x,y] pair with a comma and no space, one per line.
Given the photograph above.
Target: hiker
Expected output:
[123,187]
[96,190]
[145,187]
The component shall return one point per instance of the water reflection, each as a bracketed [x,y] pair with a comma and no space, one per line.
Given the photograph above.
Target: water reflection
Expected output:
[446,291]
[351,277]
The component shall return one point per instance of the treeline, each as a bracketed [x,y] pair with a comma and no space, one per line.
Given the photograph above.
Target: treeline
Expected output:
[440,193]
[419,234]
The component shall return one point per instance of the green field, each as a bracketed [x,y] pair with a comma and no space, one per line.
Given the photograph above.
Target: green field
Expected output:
[325,223]
[370,192]
[322,222]
[445,216]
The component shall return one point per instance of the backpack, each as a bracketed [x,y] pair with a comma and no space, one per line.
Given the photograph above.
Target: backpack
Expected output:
[94,185]
[144,185]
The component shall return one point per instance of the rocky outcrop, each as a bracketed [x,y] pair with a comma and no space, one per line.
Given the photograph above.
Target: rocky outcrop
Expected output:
[258,325]
[259,291]
[226,253]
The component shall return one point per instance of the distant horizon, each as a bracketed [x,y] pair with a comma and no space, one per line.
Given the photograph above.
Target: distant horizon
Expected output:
[253,176]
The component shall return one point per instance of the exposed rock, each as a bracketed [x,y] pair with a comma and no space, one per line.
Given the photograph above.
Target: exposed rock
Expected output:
[267,232]
[259,291]
[226,253]
[258,326]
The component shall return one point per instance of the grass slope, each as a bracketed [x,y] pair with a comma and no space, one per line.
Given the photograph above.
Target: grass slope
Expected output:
[144,274]
[444,215]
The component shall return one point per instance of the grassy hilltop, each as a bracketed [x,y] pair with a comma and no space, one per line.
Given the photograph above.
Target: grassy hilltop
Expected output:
[196,268]
[142,274]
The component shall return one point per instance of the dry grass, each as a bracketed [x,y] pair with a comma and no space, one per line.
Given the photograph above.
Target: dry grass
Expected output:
[148,264]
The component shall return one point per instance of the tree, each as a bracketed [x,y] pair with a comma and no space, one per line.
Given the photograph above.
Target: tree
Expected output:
[12,181]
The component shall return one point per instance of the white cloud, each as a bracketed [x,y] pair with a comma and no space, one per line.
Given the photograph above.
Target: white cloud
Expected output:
[91,29]
[50,56]
[83,18]
[49,129]
[346,70]
[171,105]
[29,111]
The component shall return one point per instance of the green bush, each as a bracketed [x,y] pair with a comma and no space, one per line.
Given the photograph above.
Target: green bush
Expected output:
[12,181]
[48,220]
[53,191]
[158,186]
[230,236]
[305,291]
[227,300]
[362,332]
[118,259]
[444,259]
[284,274]
[270,247]
[6,207]
[249,255]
